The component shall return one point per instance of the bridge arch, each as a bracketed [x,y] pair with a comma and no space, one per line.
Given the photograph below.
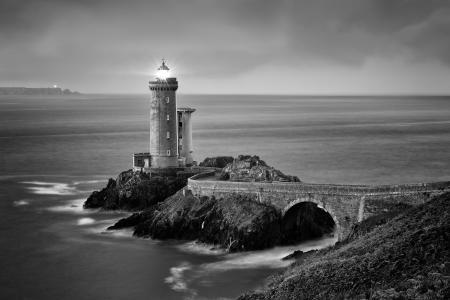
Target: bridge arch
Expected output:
[305,219]
[320,205]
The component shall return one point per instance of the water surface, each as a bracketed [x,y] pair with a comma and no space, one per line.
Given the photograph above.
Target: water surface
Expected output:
[55,151]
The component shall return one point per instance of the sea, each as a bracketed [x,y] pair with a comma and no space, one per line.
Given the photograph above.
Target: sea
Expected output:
[54,151]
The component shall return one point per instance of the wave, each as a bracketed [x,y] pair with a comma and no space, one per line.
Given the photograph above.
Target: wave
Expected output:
[176,279]
[200,248]
[50,188]
[270,258]
[71,206]
[85,221]
[89,181]
[102,226]
[21,202]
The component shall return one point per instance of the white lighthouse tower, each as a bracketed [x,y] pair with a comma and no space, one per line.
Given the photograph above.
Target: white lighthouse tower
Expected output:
[163,119]
[170,128]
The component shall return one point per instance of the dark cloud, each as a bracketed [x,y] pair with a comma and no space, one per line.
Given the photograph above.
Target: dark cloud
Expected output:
[89,41]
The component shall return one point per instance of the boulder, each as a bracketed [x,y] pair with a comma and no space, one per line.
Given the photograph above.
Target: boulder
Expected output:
[216,162]
[134,191]
[252,168]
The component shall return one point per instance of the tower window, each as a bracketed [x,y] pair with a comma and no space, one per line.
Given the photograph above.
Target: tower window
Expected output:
[167,99]
[168,117]
[168,152]
[168,134]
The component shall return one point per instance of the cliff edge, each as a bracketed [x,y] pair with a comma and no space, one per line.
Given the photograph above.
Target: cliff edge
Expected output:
[134,191]
[408,257]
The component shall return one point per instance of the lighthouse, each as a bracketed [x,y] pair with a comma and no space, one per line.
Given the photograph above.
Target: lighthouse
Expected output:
[163,119]
[170,127]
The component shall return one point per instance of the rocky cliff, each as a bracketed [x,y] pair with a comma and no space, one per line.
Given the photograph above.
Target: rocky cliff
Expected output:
[407,257]
[216,162]
[235,223]
[134,191]
[252,168]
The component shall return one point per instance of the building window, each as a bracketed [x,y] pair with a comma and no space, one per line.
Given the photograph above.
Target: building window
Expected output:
[168,152]
[168,117]
[168,134]
[167,99]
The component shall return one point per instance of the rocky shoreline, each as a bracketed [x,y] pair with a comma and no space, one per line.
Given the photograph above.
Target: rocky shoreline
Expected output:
[398,255]
[166,210]
[134,191]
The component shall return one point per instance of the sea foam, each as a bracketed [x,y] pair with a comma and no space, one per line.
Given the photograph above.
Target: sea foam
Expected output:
[85,221]
[200,248]
[50,188]
[270,258]
[71,206]
[176,279]
[21,202]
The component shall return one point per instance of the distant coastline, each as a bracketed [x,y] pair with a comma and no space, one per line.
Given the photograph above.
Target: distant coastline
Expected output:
[36,91]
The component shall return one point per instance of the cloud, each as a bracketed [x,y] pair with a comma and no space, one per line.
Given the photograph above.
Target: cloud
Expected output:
[104,41]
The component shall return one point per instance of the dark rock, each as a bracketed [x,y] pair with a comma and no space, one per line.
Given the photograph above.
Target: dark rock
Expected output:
[294,255]
[236,223]
[252,168]
[134,191]
[105,198]
[216,162]
[130,221]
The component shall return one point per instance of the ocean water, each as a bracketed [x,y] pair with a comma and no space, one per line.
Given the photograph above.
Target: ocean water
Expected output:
[55,151]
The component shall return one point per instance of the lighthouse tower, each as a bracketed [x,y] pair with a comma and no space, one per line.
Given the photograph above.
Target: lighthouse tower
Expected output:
[163,119]
[170,129]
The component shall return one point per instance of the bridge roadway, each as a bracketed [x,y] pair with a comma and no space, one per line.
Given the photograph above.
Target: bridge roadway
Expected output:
[347,204]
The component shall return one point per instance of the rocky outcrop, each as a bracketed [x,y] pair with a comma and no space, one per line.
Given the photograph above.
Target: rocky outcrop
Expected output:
[252,168]
[236,223]
[134,191]
[407,257]
[294,255]
[216,162]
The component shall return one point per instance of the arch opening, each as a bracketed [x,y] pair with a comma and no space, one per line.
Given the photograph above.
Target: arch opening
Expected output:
[305,221]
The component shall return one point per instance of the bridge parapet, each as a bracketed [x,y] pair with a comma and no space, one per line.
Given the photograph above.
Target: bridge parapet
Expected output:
[347,204]
[204,186]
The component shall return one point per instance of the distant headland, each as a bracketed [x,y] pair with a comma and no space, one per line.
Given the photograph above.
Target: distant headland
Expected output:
[36,91]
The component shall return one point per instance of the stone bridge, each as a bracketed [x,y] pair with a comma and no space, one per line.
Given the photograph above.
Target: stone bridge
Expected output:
[346,204]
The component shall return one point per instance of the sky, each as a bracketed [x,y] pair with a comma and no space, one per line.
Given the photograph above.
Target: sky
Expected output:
[229,47]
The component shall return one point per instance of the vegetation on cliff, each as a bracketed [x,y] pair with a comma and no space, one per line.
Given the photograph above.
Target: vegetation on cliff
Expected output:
[252,168]
[407,257]
[235,222]
[216,162]
[134,191]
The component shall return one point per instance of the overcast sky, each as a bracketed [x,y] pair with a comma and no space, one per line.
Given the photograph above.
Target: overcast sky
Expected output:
[231,46]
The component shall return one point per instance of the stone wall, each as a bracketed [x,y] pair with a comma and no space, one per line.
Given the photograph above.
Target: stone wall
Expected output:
[347,204]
